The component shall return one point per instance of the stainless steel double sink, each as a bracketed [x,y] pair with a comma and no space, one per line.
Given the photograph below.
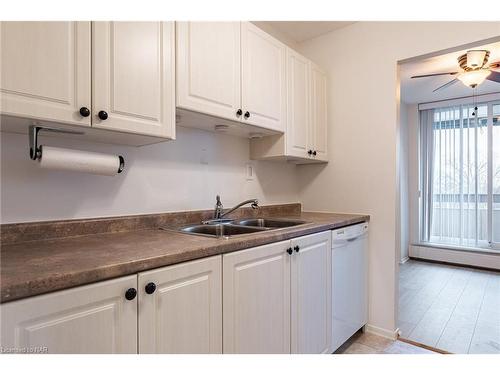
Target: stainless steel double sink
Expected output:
[228,228]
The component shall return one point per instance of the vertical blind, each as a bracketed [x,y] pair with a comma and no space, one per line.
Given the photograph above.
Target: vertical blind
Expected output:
[459,175]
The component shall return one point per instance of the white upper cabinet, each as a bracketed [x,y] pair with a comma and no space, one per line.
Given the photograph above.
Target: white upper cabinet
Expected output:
[305,139]
[263,82]
[311,279]
[45,70]
[124,81]
[318,129]
[232,70]
[180,308]
[133,77]
[92,319]
[117,78]
[298,108]
[208,68]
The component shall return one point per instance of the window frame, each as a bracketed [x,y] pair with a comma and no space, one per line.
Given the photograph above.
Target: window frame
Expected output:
[424,223]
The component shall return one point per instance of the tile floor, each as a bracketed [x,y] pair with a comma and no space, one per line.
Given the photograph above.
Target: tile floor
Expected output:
[366,343]
[451,308]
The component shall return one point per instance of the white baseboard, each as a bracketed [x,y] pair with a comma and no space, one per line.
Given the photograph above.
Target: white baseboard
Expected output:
[464,257]
[404,260]
[393,335]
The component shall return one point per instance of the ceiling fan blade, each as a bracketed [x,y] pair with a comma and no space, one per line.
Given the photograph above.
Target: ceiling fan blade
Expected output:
[494,76]
[436,74]
[453,81]
[494,65]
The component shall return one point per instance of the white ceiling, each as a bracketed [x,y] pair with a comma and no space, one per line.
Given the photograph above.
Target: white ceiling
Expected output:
[419,90]
[300,31]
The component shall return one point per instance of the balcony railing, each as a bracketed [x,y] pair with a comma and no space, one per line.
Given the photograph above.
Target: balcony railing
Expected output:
[454,222]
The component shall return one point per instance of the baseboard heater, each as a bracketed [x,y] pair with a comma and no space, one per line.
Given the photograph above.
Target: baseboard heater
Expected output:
[465,257]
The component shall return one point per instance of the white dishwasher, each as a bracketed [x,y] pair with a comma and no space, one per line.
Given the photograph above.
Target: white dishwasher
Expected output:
[349,281]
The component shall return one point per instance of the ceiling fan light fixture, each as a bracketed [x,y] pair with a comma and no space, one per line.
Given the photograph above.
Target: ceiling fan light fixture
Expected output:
[473,78]
[476,58]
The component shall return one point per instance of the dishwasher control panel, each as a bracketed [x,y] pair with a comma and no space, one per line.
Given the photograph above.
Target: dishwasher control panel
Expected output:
[349,232]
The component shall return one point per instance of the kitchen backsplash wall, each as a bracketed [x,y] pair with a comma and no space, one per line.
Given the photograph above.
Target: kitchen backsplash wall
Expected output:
[172,176]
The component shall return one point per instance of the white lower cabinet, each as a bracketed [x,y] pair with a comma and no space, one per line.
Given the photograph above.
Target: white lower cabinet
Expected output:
[95,318]
[180,308]
[277,297]
[257,300]
[311,313]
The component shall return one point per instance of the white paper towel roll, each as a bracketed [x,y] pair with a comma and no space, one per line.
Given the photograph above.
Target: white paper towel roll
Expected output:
[79,161]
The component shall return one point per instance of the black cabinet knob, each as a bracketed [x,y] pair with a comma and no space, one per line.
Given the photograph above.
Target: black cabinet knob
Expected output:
[314,152]
[130,294]
[247,114]
[150,288]
[103,115]
[296,248]
[289,250]
[84,112]
[239,112]
[310,152]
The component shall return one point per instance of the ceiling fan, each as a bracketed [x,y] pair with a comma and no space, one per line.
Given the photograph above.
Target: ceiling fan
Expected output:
[474,70]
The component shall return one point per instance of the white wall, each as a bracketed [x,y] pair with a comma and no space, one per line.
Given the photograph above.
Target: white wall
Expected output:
[158,178]
[361,61]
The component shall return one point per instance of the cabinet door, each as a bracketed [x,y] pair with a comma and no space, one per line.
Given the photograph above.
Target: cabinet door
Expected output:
[263,83]
[45,70]
[319,130]
[184,313]
[298,113]
[311,294]
[256,292]
[208,68]
[96,318]
[133,77]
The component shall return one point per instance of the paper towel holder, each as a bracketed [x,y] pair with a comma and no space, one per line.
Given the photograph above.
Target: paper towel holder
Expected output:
[36,152]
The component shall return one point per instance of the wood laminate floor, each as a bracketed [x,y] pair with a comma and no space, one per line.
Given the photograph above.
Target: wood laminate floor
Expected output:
[451,308]
[367,343]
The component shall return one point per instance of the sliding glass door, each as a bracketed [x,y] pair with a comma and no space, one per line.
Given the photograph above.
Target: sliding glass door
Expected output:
[460,162]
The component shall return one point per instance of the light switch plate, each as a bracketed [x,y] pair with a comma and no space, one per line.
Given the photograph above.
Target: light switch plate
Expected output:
[203,157]
[250,171]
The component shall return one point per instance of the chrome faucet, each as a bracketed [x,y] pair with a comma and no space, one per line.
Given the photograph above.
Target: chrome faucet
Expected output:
[219,208]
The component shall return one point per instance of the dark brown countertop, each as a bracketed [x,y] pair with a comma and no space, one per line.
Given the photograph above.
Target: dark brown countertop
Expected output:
[35,267]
